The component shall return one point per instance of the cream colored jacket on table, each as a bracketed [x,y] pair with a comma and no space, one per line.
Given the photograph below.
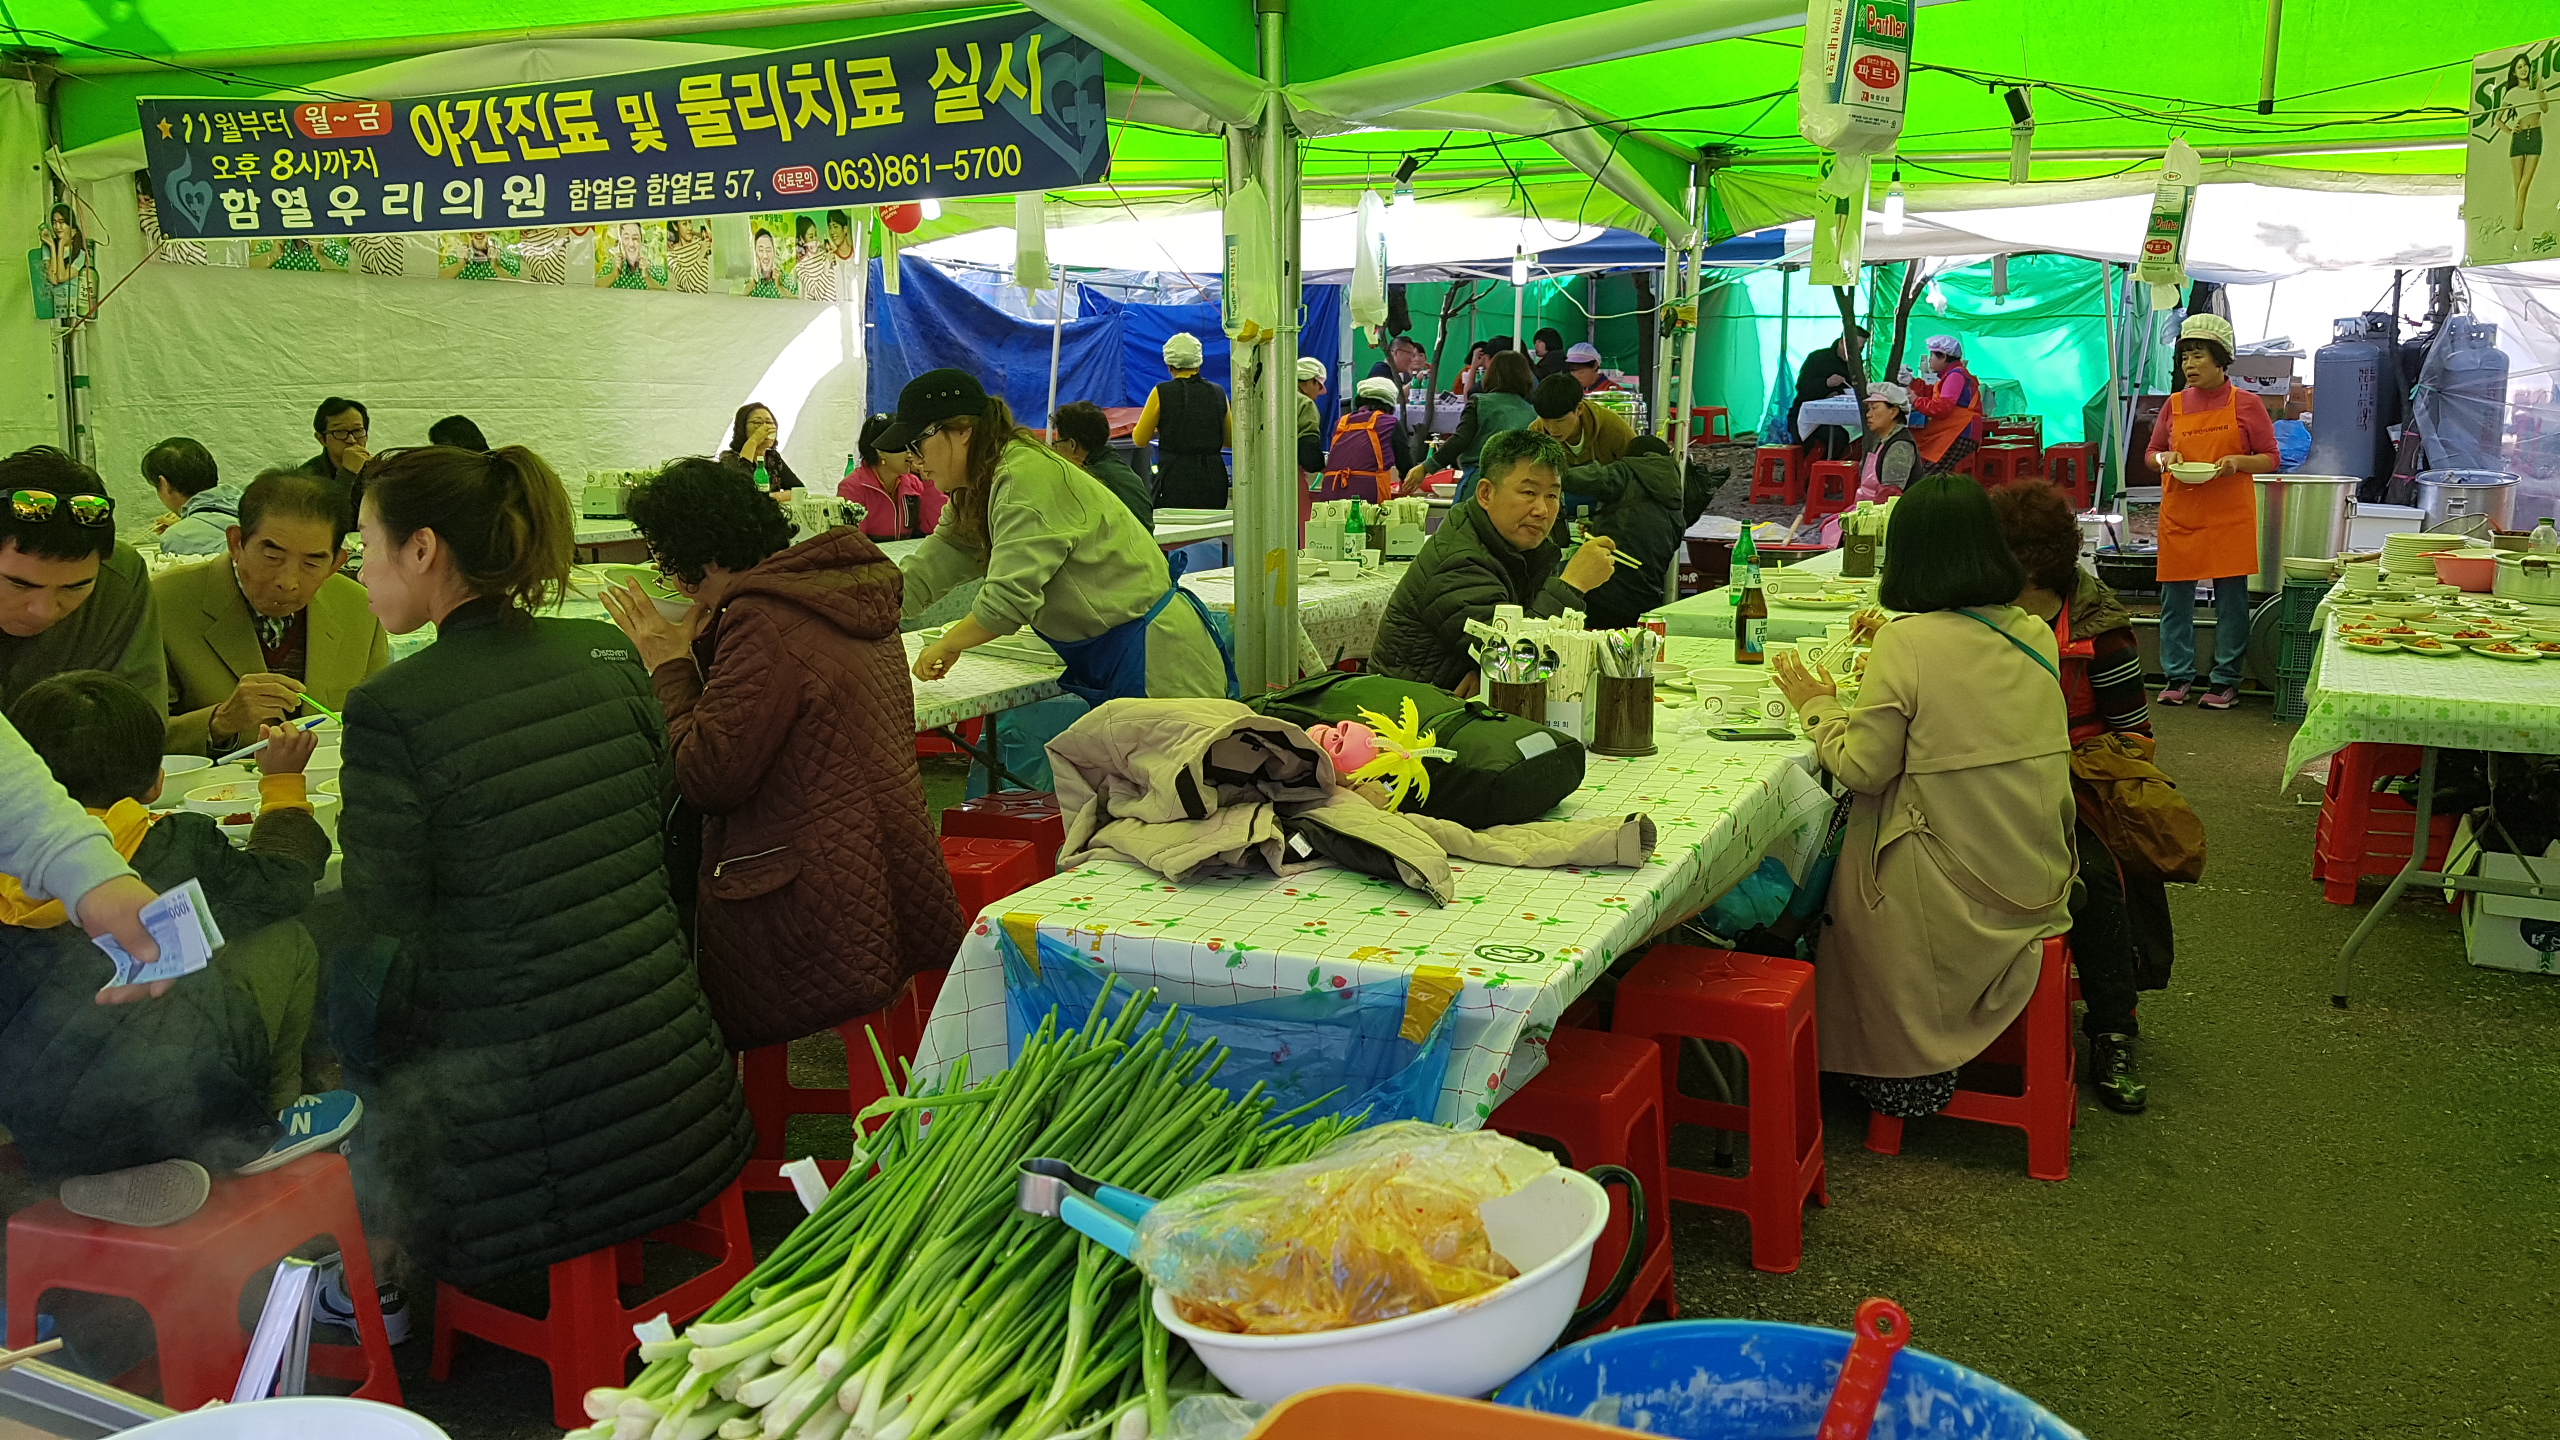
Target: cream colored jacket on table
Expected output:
[1068,560]
[1958,862]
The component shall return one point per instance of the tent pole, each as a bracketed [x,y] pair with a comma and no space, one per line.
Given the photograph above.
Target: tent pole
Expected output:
[1786,359]
[1519,299]
[1686,398]
[1665,354]
[2109,446]
[1057,340]
[1266,507]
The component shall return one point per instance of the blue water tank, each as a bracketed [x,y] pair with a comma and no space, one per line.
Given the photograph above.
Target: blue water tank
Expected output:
[2470,411]
[2346,380]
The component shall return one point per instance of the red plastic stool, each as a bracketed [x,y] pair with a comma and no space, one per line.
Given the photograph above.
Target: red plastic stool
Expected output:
[189,1276]
[2039,1043]
[1777,475]
[973,731]
[2073,469]
[985,871]
[772,1099]
[1601,1098]
[1030,815]
[586,1337]
[1764,1005]
[2363,833]
[1709,425]
[1833,489]
[1998,465]
[1579,1015]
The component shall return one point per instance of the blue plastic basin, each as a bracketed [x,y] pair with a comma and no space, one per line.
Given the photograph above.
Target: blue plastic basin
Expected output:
[1750,1380]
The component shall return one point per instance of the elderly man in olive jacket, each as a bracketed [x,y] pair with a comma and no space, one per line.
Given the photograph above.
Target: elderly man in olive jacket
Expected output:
[1497,547]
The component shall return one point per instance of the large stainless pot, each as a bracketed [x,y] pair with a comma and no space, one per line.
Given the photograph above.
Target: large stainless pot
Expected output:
[2534,579]
[2303,515]
[2457,494]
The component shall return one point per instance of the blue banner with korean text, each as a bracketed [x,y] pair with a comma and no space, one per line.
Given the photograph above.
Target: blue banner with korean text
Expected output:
[983,107]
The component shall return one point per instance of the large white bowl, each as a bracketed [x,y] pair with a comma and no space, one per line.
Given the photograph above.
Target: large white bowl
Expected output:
[2192,473]
[173,766]
[1470,1348]
[301,1417]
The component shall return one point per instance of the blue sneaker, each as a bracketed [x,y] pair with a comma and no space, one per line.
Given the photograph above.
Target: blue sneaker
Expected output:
[311,1124]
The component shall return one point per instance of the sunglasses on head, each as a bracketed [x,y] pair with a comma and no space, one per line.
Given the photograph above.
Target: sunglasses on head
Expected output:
[35,507]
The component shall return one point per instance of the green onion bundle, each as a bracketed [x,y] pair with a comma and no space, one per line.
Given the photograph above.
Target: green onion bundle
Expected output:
[919,1303]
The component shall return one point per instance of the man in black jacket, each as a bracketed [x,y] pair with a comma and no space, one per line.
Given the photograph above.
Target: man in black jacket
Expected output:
[1497,547]
[1639,508]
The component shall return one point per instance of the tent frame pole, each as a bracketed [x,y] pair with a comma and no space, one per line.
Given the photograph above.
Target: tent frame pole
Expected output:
[1057,340]
[1266,507]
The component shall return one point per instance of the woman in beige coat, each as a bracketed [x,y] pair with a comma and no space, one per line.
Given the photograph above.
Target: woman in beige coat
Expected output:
[1958,861]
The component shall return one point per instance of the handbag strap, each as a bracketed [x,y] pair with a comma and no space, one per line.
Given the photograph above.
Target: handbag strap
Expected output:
[2023,647]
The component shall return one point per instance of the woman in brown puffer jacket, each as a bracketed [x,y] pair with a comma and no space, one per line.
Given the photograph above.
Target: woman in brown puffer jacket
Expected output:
[793,723]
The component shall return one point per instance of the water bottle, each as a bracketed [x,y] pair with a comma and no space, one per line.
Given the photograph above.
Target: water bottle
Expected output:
[2545,541]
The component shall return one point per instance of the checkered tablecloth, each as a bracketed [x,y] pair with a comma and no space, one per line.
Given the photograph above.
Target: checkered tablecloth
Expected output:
[977,685]
[1338,613]
[1527,942]
[2460,702]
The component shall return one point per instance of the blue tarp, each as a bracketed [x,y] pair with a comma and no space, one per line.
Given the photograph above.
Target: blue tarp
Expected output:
[1145,328]
[936,323]
[1111,354]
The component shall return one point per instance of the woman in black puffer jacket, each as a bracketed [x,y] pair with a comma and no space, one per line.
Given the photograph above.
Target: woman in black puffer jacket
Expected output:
[543,1074]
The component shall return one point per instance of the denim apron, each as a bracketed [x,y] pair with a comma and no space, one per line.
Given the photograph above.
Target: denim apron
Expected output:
[1113,664]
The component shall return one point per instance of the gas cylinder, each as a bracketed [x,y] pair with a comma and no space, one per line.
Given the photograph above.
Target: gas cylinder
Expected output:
[2346,377]
[2470,411]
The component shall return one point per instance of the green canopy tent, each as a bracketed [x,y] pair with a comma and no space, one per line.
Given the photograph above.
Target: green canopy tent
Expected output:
[1595,110]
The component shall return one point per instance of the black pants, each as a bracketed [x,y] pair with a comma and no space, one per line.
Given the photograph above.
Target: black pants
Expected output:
[2103,943]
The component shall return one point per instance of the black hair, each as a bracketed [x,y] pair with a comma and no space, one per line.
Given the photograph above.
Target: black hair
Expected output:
[502,514]
[840,217]
[97,734]
[1404,340]
[185,464]
[1500,343]
[2212,348]
[867,444]
[1508,450]
[698,513]
[63,537]
[335,406]
[738,425]
[1648,445]
[1557,396]
[299,495]
[1084,423]
[457,431]
[803,227]
[1551,337]
[1948,550]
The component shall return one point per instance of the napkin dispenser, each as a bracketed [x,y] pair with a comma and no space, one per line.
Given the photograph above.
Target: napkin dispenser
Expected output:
[607,496]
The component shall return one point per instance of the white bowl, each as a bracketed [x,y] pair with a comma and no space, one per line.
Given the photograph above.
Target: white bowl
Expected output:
[2192,473]
[173,766]
[300,1417]
[1469,1348]
[2305,567]
[225,798]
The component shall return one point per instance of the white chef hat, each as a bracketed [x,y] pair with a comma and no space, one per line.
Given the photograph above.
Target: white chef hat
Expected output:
[1946,345]
[1182,351]
[1380,389]
[1310,368]
[1891,394]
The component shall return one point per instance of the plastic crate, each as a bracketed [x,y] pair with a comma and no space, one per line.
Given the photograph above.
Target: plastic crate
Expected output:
[2295,650]
[2301,601]
[2293,701]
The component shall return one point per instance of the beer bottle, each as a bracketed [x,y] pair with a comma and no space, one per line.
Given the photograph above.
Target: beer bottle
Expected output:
[1750,605]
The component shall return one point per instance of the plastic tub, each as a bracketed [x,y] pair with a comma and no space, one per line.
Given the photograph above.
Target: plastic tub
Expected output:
[1546,1231]
[307,1417]
[1749,1380]
[1345,1410]
[2472,570]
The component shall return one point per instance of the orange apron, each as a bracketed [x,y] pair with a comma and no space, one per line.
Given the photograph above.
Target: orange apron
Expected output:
[1935,437]
[2207,531]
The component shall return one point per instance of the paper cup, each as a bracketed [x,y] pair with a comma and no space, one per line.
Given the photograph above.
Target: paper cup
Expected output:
[1712,704]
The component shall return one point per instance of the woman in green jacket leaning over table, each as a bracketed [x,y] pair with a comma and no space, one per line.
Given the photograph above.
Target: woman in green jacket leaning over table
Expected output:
[1059,552]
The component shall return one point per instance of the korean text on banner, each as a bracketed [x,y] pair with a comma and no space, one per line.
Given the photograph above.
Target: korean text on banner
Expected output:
[2507,191]
[1855,72]
[981,107]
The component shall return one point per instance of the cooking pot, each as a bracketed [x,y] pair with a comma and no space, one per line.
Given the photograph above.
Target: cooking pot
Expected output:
[2455,494]
[2299,515]
[2129,571]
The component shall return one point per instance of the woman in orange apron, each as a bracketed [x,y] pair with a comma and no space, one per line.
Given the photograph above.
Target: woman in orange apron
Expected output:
[2208,529]
[1952,400]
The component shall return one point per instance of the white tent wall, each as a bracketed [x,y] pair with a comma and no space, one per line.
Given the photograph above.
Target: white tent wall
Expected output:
[30,365]
[589,378]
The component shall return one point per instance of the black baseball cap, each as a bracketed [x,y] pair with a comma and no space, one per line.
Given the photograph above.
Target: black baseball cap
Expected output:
[929,399]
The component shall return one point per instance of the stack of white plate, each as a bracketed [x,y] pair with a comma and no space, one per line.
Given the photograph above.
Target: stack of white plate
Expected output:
[2406,553]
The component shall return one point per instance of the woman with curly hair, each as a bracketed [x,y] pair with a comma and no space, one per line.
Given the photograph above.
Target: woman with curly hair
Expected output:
[789,711]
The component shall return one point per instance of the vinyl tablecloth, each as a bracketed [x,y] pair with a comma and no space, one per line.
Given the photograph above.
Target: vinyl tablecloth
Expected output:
[977,685]
[1525,942]
[1338,613]
[2462,702]
[1709,614]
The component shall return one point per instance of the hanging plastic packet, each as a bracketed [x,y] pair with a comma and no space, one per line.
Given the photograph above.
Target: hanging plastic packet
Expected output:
[1251,290]
[1383,1224]
[1850,88]
[2163,265]
[1369,262]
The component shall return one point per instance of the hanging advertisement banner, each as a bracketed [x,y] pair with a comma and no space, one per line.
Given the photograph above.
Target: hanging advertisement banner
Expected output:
[2510,208]
[982,107]
[1854,74]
